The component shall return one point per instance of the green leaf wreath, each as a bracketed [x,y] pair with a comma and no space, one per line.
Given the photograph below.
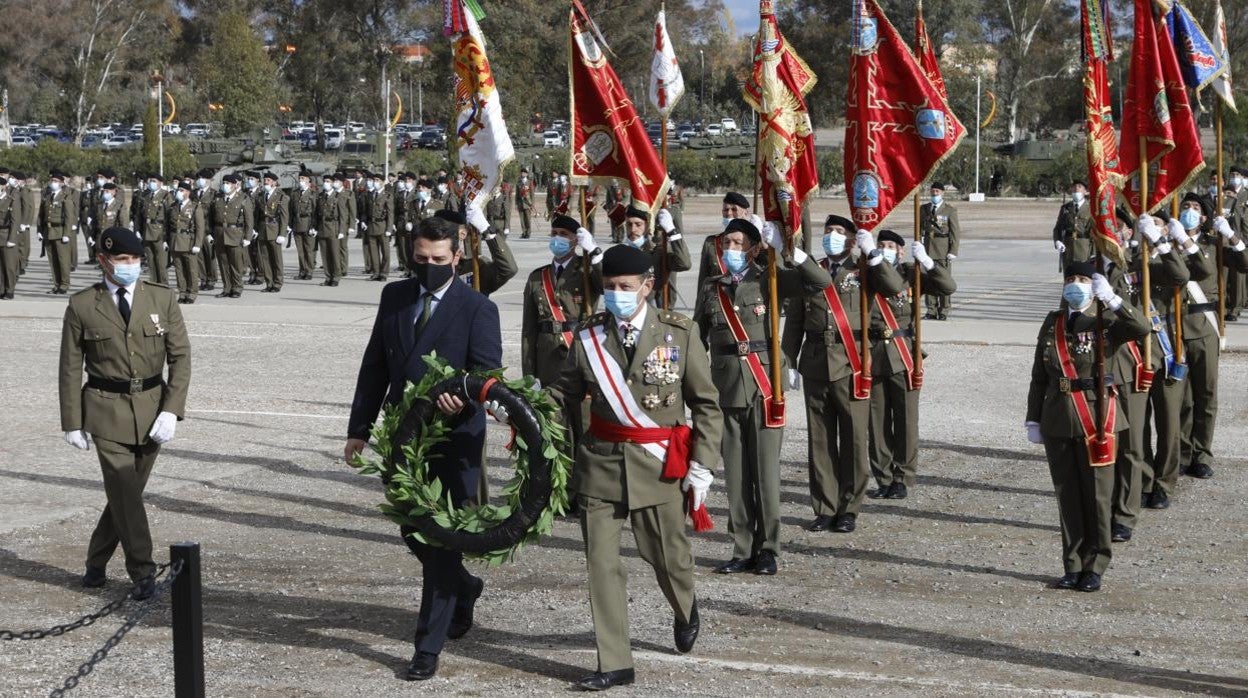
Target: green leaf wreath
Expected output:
[413,497]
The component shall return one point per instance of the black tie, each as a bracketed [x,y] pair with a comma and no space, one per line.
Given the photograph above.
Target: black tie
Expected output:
[123,305]
[558,270]
[426,309]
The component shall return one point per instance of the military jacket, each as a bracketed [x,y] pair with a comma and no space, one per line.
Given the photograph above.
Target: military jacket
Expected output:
[496,271]
[274,212]
[153,211]
[302,210]
[379,211]
[542,347]
[234,218]
[59,213]
[885,356]
[186,227]
[941,231]
[10,210]
[1166,272]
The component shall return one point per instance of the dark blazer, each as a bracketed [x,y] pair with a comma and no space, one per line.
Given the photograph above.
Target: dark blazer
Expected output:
[464,330]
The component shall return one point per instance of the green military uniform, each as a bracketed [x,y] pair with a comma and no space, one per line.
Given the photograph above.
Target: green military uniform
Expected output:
[329,225]
[302,214]
[524,205]
[252,250]
[152,211]
[234,217]
[187,231]
[206,260]
[29,220]
[676,204]
[1237,282]
[379,213]
[894,425]
[273,225]
[105,215]
[941,234]
[58,222]
[349,214]
[10,233]
[121,400]
[1074,230]
[1084,493]
[751,451]
[405,219]
[500,268]
[622,481]
[666,264]
[86,207]
[496,211]
[614,197]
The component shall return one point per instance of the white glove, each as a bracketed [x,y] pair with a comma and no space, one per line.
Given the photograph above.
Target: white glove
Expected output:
[506,232]
[1223,228]
[950,257]
[254,235]
[665,221]
[585,240]
[90,241]
[476,218]
[919,252]
[389,233]
[341,236]
[162,429]
[771,234]
[758,222]
[78,439]
[698,479]
[865,241]
[1177,233]
[497,411]
[73,227]
[1059,246]
[165,245]
[10,244]
[194,250]
[795,379]
[25,227]
[1033,432]
[281,240]
[1104,292]
[408,226]
[312,232]
[363,226]
[211,239]
[65,238]
[246,243]
[1147,227]
[351,231]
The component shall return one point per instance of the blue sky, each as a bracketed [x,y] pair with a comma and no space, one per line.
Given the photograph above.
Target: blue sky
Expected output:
[744,14]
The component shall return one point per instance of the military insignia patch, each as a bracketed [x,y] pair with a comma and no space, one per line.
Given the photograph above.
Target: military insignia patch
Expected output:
[651,401]
[760,310]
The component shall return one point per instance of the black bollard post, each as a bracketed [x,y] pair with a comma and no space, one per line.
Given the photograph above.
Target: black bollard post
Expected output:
[188,623]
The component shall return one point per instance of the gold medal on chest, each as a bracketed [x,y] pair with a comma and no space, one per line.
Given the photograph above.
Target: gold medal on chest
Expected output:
[651,401]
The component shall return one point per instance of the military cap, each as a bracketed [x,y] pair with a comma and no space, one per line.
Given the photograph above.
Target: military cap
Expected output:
[937,186]
[634,212]
[116,241]
[108,173]
[156,176]
[19,175]
[108,186]
[1079,269]
[625,260]
[842,221]
[409,175]
[270,175]
[58,174]
[565,223]
[891,236]
[744,226]
[4,170]
[425,184]
[1240,170]
[206,173]
[1078,183]
[736,199]
[1206,207]
[185,184]
[450,216]
[231,178]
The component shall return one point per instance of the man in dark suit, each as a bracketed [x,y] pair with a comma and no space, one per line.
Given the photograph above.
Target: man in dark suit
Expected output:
[432,311]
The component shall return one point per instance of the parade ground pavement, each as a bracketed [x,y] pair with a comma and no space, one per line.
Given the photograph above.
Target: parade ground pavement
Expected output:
[308,590]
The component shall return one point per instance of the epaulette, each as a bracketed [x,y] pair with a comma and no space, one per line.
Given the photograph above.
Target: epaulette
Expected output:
[98,286]
[594,320]
[676,319]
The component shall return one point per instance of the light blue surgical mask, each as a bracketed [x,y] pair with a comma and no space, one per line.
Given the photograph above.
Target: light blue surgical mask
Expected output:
[726,222]
[1077,197]
[268,190]
[127,274]
[639,243]
[1077,294]
[834,244]
[621,304]
[735,260]
[1189,219]
[54,187]
[937,201]
[890,256]
[108,197]
[560,246]
[423,196]
[327,187]
[153,185]
[201,183]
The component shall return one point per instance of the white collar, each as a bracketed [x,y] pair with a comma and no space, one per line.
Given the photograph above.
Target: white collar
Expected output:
[112,287]
[638,321]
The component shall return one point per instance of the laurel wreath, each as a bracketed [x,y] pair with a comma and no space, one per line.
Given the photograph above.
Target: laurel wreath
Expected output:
[415,499]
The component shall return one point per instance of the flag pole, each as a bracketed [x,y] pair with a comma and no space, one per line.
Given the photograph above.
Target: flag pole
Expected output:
[773,290]
[475,243]
[916,301]
[1146,286]
[663,272]
[1217,203]
[1178,300]
[585,262]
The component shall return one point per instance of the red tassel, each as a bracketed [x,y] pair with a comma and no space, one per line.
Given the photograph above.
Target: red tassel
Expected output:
[700,517]
[677,464]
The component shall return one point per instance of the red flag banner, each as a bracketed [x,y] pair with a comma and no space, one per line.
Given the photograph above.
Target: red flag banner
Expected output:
[1102,150]
[927,55]
[1158,114]
[898,126]
[776,88]
[608,138]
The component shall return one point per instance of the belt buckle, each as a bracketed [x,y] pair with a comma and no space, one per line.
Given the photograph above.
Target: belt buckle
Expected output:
[743,348]
[887,333]
[136,385]
[1063,384]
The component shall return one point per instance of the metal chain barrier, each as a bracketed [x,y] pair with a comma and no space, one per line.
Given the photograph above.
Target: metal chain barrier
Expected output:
[115,639]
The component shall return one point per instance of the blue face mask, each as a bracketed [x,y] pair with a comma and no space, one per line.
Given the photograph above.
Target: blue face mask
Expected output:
[890,256]
[1077,295]
[560,246]
[834,244]
[937,201]
[621,304]
[639,242]
[127,274]
[1189,219]
[726,221]
[735,261]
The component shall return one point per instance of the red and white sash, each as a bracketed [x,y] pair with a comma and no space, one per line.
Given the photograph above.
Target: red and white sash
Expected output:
[773,412]
[1101,452]
[556,310]
[862,379]
[615,388]
[890,320]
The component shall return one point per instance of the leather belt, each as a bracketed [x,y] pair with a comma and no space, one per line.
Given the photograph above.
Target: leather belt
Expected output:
[136,385]
[741,348]
[1201,307]
[888,333]
[1067,385]
[823,337]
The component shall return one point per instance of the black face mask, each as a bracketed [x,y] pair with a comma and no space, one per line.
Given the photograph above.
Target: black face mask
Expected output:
[432,276]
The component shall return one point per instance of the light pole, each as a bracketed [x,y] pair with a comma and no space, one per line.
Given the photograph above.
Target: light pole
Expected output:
[702,86]
[978,122]
[158,84]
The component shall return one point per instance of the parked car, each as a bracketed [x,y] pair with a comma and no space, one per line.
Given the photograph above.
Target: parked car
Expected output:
[115,142]
[355,126]
[334,138]
[728,125]
[172,130]
[23,142]
[553,139]
[432,137]
[714,130]
[197,129]
[685,132]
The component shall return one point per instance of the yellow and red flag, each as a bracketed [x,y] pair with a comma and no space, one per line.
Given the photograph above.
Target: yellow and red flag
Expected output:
[898,125]
[927,55]
[776,88]
[1102,149]
[608,138]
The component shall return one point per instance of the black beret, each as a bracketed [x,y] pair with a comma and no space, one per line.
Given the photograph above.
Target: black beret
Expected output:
[891,236]
[115,241]
[425,183]
[185,184]
[156,176]
[736,199]
[1079,269]
[1240,170]
[230,178]
[565,223]
[1206,208]
[625,260]
[108,186]
[57,174]
[744,226]
[842,221]
[1078,182]
[634,212]
[451,216]
[3,170]
[20,175]
[937,185]
[108,172]
[409,175]
[269,174]
[206,173]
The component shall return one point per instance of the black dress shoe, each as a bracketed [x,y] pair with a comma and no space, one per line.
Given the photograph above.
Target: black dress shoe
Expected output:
[896,491]
[143,589]
[223,294]
[942,316]
[1158,500]
[1122,534]
[878,493]
[94,578]
[461,622]
[687,633]
[736,565]
[1068,581]
[423,667]
[821,523]
[602,680]
[236,294]
[845,523]
[765,563]
[1200,471]
[1089,581]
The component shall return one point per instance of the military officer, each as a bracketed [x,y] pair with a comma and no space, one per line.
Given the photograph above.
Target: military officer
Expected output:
[558,195]
[122,332]
[1061,414]
[641,368]
[676,203]
[895,382]
[1236,212]
[233,215]
[667,249]
[496,212]
[30,197]
[204,196]
[494,272]
[272,227]
[58,228]
[251,190]
[152,211]
[734,206]
[1072,234]
[613,196]
[108,209]
[186,237]
[734,319]
[524,203]
[941,233]
[377,222]
[302,212]
[405,210]
[349,214]
[10,254]
[328,228]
